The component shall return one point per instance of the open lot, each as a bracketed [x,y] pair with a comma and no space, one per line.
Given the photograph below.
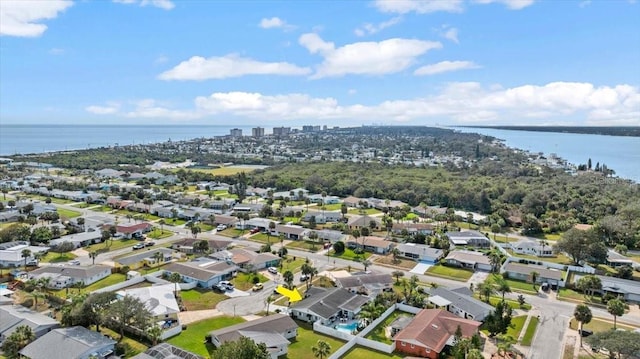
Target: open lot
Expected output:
[244,281]
[349,254]
[67,213]
[193,338]
[402,263]
[52,257]
[454,273]
[111,245]
[200,299]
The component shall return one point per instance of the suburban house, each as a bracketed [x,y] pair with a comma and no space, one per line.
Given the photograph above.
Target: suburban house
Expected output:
[419,252]
[430,331]
[429,211]
[413,228]
[357,222]
[78,240]
[618,260]
[146,258]
[131,230]
[274,331]
[161,303]
[475,217]
[470,260]
[71,342]
[629,290]
[322,217]
[524,272]
[248,207]
[166,351]
[186,245]
[373,244]
[247,260]
[11,253]
[330,235]
[290,231]
[327,305]
[317,198]
[468,238]
[533,248]
[261,223]
[13,316]
[10,216]
[351,201]
[228,221]
[67,275]
[205,273]
[460,302]
[367,284]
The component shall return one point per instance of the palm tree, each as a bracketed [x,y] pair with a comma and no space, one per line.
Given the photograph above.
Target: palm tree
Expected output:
[534,278]
[175,278]
[288,278]
[616,308]
[26,253]
[503,287]
[272,226]
[155,334]
[158,257]
[370,311]
[36,294]
[93,255]
[270,299]
[395,252]
[582,313]
[195,230]
[486,289]
[474,354]
[321,349]
[366,263]
[397,274]
[162,222]
[495,259]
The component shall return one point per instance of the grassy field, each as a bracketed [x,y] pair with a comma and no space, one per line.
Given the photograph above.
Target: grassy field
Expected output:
[102,209]
[102,283]
[192,339]
[300,347]
[516,285]
[572,295]
[599,325]
[512,303]
[232,232]
[292,264]
[305,245]
[224,171]
[361,211]
[500,238]
[244,281]
[530,331]
[174,221]
[449,272]
[264,238]
[67,213]
[200,299]
[402,263]
[360,352]
[111,245]
[516,327]
[350,255]
[52,257]
[378,333]
[159,234]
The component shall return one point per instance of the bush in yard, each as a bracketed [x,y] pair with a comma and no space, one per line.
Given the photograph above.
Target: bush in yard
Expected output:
[338,247]
[255,280]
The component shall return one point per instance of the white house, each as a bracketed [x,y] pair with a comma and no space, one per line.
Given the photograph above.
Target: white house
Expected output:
[420,252]
[532,248]
[67,275]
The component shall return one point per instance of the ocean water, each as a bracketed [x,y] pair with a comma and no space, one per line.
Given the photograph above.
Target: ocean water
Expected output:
[22,139]
[622,154]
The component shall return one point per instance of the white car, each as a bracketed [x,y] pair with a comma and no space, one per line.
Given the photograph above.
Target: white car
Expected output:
[74,262]
[221,227]
[272,270]
[225,285]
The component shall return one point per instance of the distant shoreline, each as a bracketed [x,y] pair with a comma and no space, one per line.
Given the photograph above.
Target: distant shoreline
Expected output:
[626,131]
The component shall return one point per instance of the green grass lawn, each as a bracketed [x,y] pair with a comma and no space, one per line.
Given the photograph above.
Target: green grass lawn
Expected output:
[200,299]
[331,207]
[512,303]
[501,238]
[410,216]
[516,285]
[193,338]
[102,209]
[516,327]
[144,216]
[244,281]
[305,245]
[52,257]
[572,295]
[111,245]
[102,283]
[136,346]
[174,221]
[159,234]
[349,254]
[530,331]
[232,232]
[361,211]
[292,264]
[599,325]
[264,238]
[205,227]
[378,333]
[449,272]
[301,346]
[67,213]
[360,352]
[82,205]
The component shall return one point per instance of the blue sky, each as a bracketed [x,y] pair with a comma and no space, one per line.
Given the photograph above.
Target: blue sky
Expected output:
[396,62]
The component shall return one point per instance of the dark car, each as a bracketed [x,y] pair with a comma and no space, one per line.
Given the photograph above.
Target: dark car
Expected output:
[149,244]
[585,332]
[254,231]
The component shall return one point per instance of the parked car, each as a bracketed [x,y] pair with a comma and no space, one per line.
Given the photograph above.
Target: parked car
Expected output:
[221,227]
[304,278]
[254,231]
[74,262]
[149,244]
[544,286]
[138,246]
[257,287]
[585,332]
[272,270]
[33,262]
[225,285]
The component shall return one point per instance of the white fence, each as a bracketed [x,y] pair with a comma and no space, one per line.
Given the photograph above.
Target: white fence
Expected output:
[584,269]
[155,278]
[317,327]
[171,332]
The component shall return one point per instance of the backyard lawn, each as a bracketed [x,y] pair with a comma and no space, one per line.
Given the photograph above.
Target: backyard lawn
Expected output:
[359,352]
[516,285]
[514,330]
[136,346]
[292,264]
[200,299]
[378,333]
[500,238]
[67,213]
[102,283]
[301,346]
[52,257]
[599,325]
[244,281]
[193,338]
[530,331]
[332,207]
[449,272]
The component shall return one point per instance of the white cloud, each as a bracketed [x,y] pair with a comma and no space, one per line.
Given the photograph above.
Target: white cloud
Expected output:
[511,4]
[445,66]
[199,68]
[584,3]
[23,18]
[56,51]
[457,103]
[365,58]
[451,34]
[162,4]
[418,6]
[110,109]
[370,29]
[352,91]
[275,23]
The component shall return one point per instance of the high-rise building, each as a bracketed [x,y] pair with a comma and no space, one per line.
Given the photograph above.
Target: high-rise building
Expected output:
[281,131]
[257,132]
[236,132]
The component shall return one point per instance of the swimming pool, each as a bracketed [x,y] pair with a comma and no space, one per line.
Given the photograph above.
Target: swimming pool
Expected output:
[3,286]
[347,328]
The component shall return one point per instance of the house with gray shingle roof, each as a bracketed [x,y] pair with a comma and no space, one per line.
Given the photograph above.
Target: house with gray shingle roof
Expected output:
[13,316]
[326,305]
[67,275]
[73,342]
[523,272]
[368,284]
[460,302]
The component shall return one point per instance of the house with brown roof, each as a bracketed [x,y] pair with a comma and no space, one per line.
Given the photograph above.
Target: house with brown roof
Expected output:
[524,272]
[131,230]
[357,222]
[430,331]
[274,331]
[413,228]
[470,260]
[352,201]
[247,260]
[373,244]
[367,284]
[186,245]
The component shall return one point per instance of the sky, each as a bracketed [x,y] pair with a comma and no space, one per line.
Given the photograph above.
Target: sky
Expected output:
[381,62]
